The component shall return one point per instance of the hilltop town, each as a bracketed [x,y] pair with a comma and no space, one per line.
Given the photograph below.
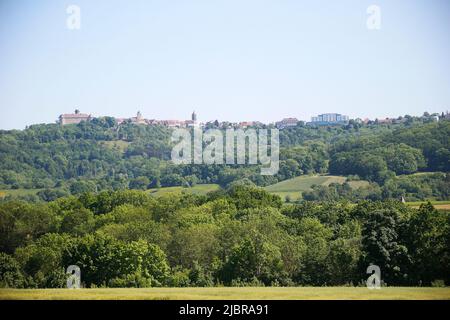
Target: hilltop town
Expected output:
[77,117]
[321,119]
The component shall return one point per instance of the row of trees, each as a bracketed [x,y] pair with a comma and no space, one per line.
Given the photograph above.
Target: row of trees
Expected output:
[411,187]
[238,236]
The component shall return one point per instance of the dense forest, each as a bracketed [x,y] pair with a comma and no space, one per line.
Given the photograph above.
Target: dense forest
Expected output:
[102,155]
[241,236]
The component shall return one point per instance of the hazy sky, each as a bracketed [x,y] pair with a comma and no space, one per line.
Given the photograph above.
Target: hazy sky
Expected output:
[229,60]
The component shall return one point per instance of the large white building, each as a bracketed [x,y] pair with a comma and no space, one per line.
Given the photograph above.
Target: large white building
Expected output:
[74,118]
[330,118]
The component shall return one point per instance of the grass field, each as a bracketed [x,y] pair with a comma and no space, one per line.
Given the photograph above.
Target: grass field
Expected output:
[295,186]
[197,189]
[18,192]
[248,293]
[292,187]
[433,202]
[440,205]
[118,145]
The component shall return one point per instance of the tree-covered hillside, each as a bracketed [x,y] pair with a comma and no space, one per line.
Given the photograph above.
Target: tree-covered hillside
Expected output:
[102,155]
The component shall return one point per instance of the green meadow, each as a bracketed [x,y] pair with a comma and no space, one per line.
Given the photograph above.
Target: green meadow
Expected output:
[295,186]
[18,192]
[231,293]
[200,189]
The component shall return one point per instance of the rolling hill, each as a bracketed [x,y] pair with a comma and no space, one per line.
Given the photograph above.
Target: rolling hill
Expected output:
[295,186]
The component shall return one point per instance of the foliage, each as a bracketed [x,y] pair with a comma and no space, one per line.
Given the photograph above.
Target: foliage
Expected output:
[84,213]
[237,237]
[102,155]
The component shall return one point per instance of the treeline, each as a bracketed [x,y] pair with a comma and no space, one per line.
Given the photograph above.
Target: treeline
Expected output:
[235,237]
[414,187]
[401,151]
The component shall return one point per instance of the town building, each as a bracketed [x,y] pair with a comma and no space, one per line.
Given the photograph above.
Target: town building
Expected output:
[120,120]
[384,121]
[330,118]
[193,122]
[173,123]
[286,123]
[138,119]
[246,124]
[445,116]
[74,118]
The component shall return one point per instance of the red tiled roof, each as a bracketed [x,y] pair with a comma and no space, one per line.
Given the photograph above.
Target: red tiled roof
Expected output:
[75,115]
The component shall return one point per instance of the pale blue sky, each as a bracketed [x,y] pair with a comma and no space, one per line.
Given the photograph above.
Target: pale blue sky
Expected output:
[229,60]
